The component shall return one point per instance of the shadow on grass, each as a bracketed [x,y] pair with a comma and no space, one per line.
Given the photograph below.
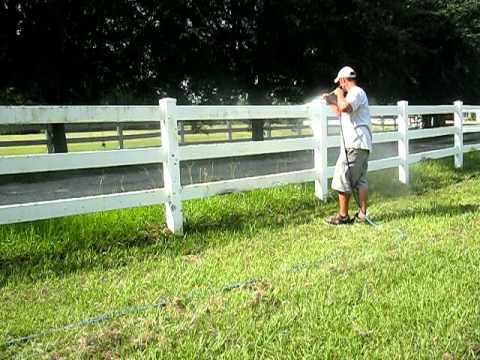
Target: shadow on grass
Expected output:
[62,246]
[58,247]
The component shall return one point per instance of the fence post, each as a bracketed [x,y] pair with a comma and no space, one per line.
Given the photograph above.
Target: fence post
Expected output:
[120,136]
[403,142]
[318,118]
[229,131]
[182,132]
[268,128]
[458,122]
[171,167]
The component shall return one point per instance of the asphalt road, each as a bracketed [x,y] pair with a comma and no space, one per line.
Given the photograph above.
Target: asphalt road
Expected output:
[70,184]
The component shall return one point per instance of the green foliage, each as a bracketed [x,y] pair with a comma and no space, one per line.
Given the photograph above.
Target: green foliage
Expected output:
[255,51]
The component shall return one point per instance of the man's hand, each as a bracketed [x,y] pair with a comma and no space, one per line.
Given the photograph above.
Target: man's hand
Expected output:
[329,98]
[343,105]
[339,92]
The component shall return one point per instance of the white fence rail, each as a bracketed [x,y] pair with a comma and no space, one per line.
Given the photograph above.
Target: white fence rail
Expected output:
[171,154]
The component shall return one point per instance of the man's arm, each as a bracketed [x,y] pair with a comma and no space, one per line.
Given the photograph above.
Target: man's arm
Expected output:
[331,100]
[342,103]
[335,109]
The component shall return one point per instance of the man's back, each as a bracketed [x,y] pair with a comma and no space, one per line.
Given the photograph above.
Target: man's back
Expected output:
[357,125]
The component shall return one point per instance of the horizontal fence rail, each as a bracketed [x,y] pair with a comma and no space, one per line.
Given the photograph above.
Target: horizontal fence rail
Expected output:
[11,165]
[169,116]
[211,113]
[431,110]
[211,151]
[27,115]
[58,208]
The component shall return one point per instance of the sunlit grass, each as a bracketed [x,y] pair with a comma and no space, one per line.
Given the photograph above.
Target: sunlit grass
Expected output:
[320,292]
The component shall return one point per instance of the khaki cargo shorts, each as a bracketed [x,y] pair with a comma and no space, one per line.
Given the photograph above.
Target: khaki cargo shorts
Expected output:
[357,173]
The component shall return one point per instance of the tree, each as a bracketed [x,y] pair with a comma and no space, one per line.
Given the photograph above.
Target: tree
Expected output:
[230,52]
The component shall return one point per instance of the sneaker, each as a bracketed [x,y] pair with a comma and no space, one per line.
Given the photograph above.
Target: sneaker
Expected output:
[359,218]
[338,220]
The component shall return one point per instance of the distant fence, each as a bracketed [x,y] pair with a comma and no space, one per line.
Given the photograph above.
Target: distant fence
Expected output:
[152,131]
[120,137]
[171,153]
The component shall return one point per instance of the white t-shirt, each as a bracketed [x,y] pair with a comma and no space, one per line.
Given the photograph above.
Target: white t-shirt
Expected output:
[357,125]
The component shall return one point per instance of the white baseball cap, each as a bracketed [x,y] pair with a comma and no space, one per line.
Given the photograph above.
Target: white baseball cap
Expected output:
[345,72]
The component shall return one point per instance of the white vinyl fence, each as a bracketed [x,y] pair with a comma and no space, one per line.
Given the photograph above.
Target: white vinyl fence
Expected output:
[171,154]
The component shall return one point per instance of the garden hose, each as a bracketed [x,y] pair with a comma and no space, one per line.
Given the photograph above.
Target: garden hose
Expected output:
[354,188]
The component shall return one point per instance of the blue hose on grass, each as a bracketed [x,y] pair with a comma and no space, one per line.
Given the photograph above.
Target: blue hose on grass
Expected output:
[90,321]
[115,314]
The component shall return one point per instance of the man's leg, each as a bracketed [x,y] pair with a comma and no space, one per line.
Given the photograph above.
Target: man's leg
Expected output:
[363,197]
[343,198]
[340,183]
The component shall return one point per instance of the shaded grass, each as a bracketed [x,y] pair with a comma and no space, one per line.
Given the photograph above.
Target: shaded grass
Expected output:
[321,292]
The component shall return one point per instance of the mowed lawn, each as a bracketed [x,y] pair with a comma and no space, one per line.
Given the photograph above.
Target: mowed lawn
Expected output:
[257,275]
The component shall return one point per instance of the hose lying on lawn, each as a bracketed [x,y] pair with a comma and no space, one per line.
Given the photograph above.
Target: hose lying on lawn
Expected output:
[293,270]
[115,315]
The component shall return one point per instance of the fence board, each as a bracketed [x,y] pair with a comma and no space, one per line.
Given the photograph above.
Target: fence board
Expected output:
[206,113]
[199,191]
[383,164]
[384,110]
[471,147]
[211,151]
[471,129]
[334,141]
[469,108]
[84,160]
[59,208]
[379,138]
[20,115]
[430,110]
[429,133]
[430,155]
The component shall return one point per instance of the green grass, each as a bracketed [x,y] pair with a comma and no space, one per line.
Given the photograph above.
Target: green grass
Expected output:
[321,292]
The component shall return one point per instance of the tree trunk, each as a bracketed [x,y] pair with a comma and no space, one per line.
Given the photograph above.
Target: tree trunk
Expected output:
[433,121]
[256,97]
[426,121]
[439,120]
[257,130]
[56,139]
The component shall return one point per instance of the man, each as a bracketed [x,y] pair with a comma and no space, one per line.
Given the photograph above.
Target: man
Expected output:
[351,169]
